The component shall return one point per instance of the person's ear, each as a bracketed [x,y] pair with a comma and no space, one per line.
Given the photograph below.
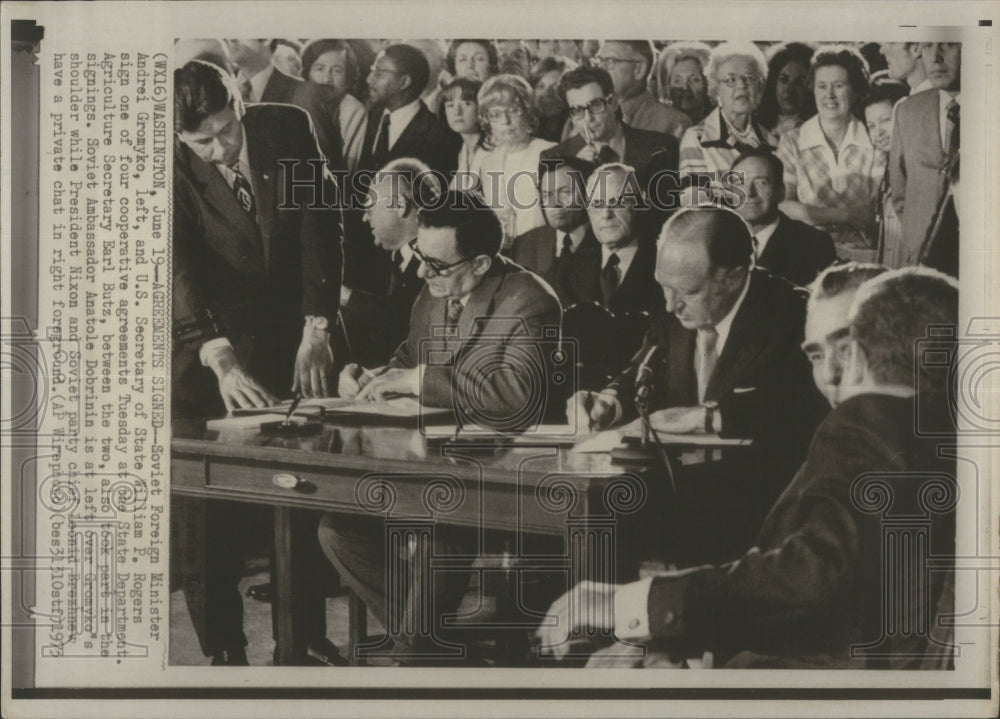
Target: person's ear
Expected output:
[482,264]
[405,82]
[780,193]
[857,366]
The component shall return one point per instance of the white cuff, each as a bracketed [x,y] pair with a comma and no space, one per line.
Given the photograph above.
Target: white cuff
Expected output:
[632,609]
[208,350]
[612,397]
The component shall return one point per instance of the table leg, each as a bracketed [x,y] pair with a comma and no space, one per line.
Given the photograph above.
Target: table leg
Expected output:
[290,642]
[357,613]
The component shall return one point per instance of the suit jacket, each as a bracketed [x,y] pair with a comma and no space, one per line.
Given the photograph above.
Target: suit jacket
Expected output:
[762,380]
[424,139]
[571,276]
[488,371]
[797,251]
[915,161]
[280,88]
[812,588]
[646,151]
[375,324]
[250,280]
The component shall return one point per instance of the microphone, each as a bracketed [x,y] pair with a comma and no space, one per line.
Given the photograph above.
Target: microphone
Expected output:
[644,376]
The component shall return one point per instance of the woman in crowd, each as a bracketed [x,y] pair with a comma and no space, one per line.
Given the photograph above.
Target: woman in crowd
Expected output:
[888,229]
[553,115]
[678,78]
[735,79]
[509,171]
[477,59]
[831,175]
[787,101]
[460,112]
[332,65]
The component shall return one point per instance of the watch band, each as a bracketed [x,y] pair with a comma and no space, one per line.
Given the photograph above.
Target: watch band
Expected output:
[710,409]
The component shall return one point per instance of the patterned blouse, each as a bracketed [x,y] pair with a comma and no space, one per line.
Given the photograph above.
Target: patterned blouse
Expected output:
[815,176]
[713,145]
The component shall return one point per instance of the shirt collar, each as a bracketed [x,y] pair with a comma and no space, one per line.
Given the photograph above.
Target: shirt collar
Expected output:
[947,97]
[723,326]
[925,85]
[401,116]
[406,252]
[259,81]
[576,238]
[625,254]
[811,134]
[764,234]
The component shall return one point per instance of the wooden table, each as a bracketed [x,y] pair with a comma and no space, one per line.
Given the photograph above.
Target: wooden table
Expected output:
[396,472]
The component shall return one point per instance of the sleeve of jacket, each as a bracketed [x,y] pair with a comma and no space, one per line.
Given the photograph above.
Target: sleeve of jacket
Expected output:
[195,320]
[322,231]
[624,384]
[790,593]
[504,376]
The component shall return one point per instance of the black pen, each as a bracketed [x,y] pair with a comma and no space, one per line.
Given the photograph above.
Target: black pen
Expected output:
[291,410]
[588,405]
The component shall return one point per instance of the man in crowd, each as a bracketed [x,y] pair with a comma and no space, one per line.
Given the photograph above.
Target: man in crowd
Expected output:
[906,65]
[257,77]
[629,63]
[925,137]
[601,136]
[256,287]
[785,247]
[563,250]
[375,324]
[810,592]
[474,302]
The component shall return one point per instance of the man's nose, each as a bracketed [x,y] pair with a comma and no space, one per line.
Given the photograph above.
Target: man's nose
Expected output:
[831,369]
[218,150]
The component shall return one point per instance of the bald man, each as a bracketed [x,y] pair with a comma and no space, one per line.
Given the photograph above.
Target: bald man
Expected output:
[729,348]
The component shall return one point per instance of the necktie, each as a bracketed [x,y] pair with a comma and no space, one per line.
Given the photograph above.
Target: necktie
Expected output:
[708,338]
[756,248]
[246,89]
[382,141]
[397,259]
[454,311]
[609,280]
[607,155]
[567,246]
[243,192]
[954,118]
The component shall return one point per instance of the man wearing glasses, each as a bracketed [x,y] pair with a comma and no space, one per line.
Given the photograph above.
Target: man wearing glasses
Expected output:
[629,62]
[601,136]
[476,306]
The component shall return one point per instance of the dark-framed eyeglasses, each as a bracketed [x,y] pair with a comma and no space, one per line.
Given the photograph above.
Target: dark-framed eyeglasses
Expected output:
[435,266]
[597,106]
[609,62]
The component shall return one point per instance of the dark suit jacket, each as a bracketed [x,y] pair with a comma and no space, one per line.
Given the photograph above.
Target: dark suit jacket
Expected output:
[915,161]
[280,88]
[251,282]
[572,276]
[813,586]
[375,324]
[797,251]
[644,150]
[762,380]
[482,371]
[424,139]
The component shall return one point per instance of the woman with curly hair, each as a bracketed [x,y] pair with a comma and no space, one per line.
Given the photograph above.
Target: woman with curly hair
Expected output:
[332,65]
[832,170]
[787,101]
[509,171]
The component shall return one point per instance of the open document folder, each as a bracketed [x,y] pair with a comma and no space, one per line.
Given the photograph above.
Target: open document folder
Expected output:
[579,440]
[396,408]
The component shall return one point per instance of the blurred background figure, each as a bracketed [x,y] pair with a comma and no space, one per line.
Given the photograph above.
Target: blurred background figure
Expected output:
[516,61]
[629,63]
[436,54]
[678,79]
[888,228]
[787,101]
[477,59]
[906,65]
[553,115]
[207,49]
[831,176]
[460,113]
[736,72]
[564,48]
[508,170]
[364,54]
[287,56]
[331,66]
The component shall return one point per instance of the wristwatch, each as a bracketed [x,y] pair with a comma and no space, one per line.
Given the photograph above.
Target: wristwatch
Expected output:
[317,322]
[710,409]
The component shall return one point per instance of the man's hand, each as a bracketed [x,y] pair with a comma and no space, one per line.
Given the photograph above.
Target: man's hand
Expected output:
[313,364]
[352,379]
[590,410]
[391,383]
[586,612]
[678,420]
[238,389]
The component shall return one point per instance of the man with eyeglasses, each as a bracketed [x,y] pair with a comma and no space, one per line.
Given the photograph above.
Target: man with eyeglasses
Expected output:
[601,135]
[629,63]
[471,326]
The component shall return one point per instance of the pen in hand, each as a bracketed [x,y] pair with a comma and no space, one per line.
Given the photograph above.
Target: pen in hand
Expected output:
[588,406]
[291,410]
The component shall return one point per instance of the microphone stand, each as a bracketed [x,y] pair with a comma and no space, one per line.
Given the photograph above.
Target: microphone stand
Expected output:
[644,452]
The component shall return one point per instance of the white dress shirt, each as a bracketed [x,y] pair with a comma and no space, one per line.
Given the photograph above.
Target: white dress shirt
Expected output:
[575,238]
[945,99]
[398,120]
[625,256]
[762,236]
[258,82]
